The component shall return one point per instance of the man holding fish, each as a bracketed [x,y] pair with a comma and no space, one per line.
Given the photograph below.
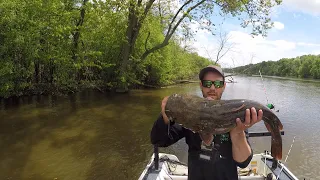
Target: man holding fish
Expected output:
[211,157]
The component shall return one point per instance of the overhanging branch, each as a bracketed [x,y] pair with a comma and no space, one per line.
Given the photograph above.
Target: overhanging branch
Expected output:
[176,15]
[145,44]
[170,32]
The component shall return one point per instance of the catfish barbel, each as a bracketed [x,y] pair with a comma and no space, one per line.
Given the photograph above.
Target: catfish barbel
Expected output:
[219,116]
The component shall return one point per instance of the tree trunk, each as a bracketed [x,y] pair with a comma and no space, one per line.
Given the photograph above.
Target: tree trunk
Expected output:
[76,33]
[51,71]
[127,48]
[37,71]
[122,85]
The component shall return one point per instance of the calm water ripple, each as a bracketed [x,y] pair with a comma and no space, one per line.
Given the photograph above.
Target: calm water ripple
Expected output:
[101,136]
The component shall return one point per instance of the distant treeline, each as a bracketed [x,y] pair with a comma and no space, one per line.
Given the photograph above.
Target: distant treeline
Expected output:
[306,66]
[62,46]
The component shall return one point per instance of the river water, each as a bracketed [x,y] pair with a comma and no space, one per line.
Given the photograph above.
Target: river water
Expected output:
[91,135]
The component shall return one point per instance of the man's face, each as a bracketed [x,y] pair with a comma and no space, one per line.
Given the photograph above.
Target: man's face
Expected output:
[212,92]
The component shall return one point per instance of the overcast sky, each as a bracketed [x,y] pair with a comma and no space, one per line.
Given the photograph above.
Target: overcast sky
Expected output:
[296,32]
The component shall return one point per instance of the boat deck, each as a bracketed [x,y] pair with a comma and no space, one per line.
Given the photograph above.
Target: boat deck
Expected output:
[260,167]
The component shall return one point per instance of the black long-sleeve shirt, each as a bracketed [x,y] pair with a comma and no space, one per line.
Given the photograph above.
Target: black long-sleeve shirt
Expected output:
[221,165]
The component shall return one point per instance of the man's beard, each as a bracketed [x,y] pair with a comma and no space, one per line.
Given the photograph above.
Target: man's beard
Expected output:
[218,97]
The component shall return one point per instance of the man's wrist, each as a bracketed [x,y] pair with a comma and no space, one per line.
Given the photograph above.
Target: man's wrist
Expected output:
[238,136]
[165,118]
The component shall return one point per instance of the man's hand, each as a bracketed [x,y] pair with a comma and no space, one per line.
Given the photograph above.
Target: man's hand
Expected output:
[251,118]
[163,105]
[240,148]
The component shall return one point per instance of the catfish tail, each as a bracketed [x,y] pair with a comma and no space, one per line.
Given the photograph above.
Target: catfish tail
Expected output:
[274,126]
[276,143]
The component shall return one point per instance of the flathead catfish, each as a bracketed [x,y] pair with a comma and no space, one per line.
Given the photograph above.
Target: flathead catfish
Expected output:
[219,116]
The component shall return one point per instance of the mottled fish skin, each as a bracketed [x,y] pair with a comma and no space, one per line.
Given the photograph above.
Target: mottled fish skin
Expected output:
[219,116]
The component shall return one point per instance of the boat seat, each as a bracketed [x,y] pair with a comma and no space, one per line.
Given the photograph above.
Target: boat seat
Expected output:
[177,169]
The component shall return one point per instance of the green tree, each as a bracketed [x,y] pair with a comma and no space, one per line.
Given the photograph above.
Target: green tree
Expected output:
[306,66]
[315,69]
[64,46]
[138,11]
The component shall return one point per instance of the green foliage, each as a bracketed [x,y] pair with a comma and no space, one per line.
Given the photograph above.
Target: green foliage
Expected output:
[55,45]
[307,66]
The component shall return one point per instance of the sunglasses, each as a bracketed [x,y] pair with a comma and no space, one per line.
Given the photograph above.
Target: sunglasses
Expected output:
[208,83]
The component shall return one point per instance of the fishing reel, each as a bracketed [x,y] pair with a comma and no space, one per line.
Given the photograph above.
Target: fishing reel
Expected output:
[271,106]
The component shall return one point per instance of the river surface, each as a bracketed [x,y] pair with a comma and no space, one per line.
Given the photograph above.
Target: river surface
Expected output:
[91,135]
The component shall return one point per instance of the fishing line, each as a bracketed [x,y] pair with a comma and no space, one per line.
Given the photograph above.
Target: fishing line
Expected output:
[264,87]
[270,106]
[286,157]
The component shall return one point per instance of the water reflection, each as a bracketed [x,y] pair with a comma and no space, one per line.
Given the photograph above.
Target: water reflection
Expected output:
[91,135]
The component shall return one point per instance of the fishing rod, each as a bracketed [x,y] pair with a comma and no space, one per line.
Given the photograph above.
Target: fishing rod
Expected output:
[286,157]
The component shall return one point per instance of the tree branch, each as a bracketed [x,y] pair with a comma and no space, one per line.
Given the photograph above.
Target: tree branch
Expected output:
[185,15]
[175,16]
[160,13]
[145,44]
[169,34]
[223,39]
[223,54]
[208,53]
[142,18]
[146,10]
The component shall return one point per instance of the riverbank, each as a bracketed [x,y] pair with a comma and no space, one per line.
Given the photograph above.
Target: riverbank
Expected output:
[55,89]
[63,90]
[59,90]
[288,78]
